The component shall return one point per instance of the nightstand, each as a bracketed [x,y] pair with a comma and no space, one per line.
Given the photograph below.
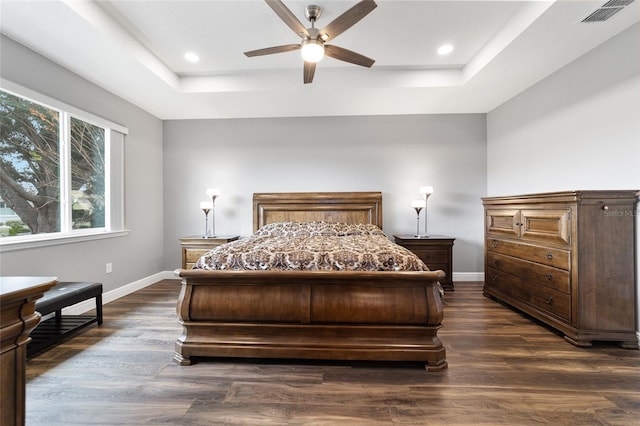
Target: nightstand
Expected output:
[196,246]
[435,250]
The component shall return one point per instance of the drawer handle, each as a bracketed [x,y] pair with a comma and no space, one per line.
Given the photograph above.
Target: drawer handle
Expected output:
[549,256]
[495,262]
[495,278]
[549,277]
[495,244]
[549,300]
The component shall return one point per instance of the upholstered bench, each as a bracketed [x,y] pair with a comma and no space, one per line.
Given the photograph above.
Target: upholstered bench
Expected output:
[59,327]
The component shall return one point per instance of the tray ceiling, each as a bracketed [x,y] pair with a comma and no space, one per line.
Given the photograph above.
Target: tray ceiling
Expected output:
[136,49]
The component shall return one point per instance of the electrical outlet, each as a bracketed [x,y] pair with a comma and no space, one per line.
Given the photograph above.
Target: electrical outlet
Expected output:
[109,268]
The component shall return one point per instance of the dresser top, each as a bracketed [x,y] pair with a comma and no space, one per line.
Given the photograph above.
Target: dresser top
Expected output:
[423,237]
[19,287]
[567,196]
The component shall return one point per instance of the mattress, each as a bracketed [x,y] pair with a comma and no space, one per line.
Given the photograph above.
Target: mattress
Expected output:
[313,246]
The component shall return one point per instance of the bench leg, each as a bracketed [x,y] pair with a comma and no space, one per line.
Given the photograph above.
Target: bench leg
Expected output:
[58,315]
[99,308]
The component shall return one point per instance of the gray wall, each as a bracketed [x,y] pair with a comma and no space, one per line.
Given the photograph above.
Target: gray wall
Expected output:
[392,154]
[577,129]
[136,256]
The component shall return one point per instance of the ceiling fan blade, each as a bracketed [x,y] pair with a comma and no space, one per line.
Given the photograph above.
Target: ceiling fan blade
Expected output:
[347,56]
[272,50]
[348,19]
[287,16]
[309,71]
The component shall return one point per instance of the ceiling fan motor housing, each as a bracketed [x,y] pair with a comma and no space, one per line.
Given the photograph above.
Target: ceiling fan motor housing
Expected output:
[312,12]
[314,33]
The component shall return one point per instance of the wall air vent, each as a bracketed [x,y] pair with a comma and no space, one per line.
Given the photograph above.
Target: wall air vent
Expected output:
[607,10]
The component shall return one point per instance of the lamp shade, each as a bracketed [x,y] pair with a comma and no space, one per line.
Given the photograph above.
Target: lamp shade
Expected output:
[206,205]
[213,192]
[426,190]
[417,203]
[312,50]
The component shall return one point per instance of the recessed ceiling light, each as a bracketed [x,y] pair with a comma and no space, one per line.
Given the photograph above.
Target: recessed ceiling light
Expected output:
[191,57]
[445,49]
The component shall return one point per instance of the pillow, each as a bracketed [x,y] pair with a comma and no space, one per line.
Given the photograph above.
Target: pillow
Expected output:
[301,229]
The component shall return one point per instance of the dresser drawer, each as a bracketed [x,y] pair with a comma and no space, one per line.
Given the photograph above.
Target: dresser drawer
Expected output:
[546,225]
[432,256]
[551,301]
[192,255]
[441,267]
[557,279]
[557,258]
[503,222]
[539,297]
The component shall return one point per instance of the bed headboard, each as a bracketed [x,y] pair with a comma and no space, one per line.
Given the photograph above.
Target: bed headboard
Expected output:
[347,207]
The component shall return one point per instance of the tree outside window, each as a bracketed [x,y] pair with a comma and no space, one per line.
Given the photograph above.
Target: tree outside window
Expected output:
[87,175]
[47,156]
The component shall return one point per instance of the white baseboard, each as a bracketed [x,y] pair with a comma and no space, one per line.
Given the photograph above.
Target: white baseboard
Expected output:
[110,296]
[467,276]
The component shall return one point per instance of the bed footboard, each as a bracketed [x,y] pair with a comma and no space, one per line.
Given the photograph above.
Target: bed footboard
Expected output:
[370,316]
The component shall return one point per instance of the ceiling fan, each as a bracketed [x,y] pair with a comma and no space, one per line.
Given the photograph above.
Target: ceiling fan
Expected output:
[313,46]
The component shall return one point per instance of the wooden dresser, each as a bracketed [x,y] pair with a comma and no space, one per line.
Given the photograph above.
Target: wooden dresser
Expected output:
[18,317]
[567,259]
[435,250]
[194,247]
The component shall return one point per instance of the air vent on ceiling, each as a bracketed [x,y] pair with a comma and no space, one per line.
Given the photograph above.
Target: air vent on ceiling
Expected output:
[607,10]
[617,3]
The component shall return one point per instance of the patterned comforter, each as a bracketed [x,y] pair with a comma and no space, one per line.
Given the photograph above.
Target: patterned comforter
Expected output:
[313,246]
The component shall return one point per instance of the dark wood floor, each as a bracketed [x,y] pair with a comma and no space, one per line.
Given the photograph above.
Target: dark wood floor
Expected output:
[503,369]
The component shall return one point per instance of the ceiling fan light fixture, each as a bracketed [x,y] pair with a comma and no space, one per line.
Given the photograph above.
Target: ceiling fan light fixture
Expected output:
[312,50]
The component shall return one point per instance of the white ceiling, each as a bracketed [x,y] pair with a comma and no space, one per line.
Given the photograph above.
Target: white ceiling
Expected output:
[135,48]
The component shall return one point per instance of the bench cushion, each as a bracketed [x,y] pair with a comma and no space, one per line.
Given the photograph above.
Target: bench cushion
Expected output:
[66,294]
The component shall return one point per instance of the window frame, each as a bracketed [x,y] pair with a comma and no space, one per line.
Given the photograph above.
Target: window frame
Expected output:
[114,193]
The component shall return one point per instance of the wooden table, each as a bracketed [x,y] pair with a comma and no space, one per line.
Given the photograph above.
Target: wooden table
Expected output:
[195,246]
[18,317]
[435,250]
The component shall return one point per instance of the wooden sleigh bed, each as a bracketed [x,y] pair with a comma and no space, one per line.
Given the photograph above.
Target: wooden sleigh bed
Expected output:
[322,315]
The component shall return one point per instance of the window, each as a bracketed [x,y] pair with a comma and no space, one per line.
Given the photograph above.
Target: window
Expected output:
[87,167]
[60,171]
